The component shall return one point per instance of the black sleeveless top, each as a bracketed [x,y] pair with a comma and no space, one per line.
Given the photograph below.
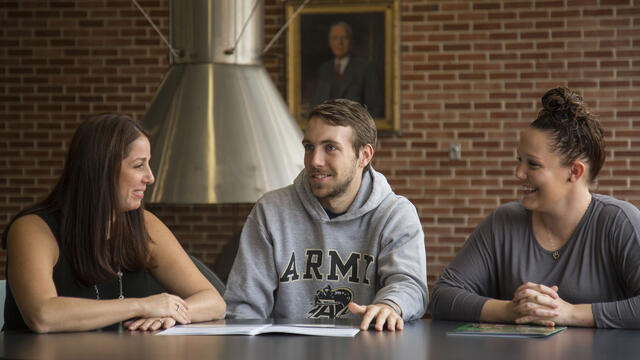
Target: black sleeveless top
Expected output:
[134,284]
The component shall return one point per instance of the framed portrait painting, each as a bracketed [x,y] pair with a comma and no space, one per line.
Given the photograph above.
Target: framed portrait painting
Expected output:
[346,49]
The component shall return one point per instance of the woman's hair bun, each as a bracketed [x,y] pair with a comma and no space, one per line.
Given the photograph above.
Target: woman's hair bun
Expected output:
[563,103]
[575,132]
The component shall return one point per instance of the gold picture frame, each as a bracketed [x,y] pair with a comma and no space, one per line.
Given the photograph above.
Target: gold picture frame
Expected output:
[374,54]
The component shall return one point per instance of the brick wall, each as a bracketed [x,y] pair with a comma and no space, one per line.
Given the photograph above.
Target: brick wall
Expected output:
[472,73]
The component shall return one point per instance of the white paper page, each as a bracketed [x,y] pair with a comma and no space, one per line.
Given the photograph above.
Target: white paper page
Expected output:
[219,329]
[317,330]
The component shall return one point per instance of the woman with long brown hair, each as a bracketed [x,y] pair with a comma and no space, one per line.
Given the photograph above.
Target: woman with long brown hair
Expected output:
[83,258]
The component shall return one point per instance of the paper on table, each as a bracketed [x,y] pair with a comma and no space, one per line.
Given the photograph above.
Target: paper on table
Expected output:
[505,330]
[242,329]
[317,330]
[216,329]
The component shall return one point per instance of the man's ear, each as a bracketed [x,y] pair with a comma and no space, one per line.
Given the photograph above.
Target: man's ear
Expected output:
[365,155]
[576,171]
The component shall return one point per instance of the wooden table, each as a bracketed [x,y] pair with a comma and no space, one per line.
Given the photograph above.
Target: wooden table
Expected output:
[422,339]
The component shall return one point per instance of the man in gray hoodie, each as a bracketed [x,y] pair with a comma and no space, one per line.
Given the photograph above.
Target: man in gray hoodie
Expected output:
[337,243]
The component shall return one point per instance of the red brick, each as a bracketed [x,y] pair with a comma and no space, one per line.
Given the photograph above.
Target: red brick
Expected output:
[486,6]
[455,27]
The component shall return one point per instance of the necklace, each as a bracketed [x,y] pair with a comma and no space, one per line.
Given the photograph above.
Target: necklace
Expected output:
[556,255]
[119,273]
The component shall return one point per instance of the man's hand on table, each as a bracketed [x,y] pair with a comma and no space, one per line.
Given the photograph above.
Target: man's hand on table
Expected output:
[382,313]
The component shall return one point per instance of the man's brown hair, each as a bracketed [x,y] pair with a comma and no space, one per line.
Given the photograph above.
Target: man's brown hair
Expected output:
[343,112]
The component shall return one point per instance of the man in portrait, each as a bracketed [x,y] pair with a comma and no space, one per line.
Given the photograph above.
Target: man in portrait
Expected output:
[348,76]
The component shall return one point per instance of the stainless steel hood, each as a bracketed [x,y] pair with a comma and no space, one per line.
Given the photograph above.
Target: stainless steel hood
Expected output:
[220,131]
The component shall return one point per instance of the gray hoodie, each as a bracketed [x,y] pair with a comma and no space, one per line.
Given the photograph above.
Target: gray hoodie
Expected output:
[296,262]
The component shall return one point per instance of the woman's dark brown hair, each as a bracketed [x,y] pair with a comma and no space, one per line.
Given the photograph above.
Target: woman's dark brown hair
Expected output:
[87,196]
[576,133]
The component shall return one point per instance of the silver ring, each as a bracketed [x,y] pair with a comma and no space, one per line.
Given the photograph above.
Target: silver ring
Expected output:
[177,307]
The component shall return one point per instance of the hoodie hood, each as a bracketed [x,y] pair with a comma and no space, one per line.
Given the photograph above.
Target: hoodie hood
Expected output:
[373,190]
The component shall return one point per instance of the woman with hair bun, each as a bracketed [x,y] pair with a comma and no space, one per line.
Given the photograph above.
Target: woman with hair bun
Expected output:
[86,256]
[561,255]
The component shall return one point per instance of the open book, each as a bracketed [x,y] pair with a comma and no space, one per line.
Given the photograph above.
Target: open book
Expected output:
[505,330]
[257,329]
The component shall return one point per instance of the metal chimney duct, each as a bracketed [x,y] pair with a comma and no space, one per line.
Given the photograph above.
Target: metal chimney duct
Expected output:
[220,131]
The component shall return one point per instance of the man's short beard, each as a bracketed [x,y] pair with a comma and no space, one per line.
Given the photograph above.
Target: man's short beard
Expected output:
[336,192]
[339,189]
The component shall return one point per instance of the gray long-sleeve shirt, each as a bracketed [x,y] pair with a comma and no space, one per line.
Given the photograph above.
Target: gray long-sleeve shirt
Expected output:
[296,262]
[599,265]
